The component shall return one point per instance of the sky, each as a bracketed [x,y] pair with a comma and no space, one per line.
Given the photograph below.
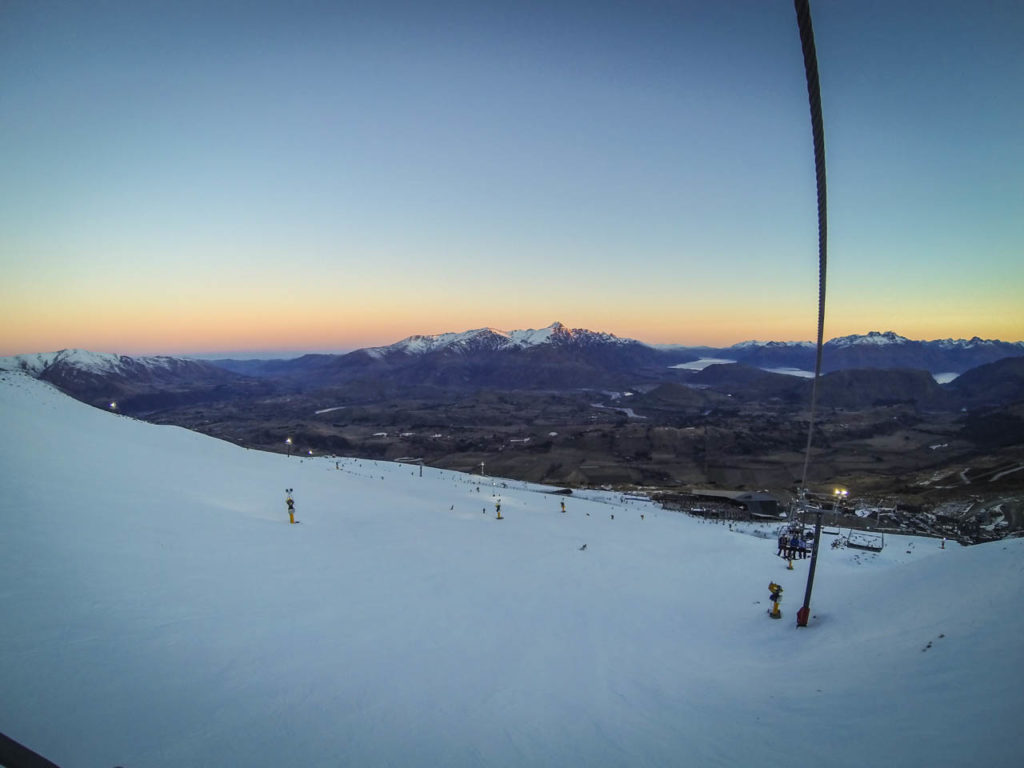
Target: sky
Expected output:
[203,177]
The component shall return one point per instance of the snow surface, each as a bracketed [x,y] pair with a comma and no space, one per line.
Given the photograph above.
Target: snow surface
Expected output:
[158,610]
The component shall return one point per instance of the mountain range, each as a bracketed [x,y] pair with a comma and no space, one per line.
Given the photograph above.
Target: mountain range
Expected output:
[871,350]
[557,358]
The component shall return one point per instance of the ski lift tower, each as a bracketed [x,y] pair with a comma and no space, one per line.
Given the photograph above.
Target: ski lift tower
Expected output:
[805,611]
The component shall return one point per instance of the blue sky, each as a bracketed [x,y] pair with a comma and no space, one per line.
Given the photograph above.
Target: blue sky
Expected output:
[183,177]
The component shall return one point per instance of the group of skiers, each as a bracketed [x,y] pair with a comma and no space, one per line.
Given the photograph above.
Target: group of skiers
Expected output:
[792,546]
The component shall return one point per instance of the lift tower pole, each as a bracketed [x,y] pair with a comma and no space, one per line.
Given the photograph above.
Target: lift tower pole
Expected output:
[803,18]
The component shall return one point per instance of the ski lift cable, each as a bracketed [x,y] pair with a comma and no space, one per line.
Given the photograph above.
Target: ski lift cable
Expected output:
[803,16]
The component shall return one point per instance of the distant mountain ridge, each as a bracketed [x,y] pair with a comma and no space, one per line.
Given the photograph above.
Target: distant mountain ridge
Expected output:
[555,357]
[873,350]
[557,333]
[492,339]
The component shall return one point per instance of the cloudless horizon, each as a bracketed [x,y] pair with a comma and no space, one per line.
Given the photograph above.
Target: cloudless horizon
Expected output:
[189,178]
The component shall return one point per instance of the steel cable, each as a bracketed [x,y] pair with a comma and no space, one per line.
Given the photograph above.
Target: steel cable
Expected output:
[803,17]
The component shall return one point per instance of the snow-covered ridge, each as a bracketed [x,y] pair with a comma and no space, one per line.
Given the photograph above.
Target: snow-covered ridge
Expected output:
[873,338]
[81,359]
[774,344]
[973,343]
[494,339]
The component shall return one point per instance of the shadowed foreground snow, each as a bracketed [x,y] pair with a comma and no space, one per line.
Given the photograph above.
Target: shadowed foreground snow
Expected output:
[158,610]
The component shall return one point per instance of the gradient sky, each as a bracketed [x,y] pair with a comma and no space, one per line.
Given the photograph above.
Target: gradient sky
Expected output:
[188,177]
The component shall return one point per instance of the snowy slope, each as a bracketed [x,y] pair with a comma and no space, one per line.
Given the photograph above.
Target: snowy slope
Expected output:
[159,611]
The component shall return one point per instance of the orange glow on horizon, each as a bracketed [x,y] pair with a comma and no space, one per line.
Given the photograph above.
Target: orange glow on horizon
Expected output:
[200,325]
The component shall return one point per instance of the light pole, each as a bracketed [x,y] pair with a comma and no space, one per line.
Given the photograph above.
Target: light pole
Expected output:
[840,497]
[288,442]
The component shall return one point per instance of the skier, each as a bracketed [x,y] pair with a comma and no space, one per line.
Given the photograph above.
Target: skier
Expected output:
[291,505]
[563,507]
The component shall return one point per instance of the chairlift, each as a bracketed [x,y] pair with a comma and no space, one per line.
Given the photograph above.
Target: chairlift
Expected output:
[866,540]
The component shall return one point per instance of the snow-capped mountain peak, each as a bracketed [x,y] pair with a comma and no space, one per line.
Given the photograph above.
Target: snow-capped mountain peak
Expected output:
[972,343]
[773,345]
[81,359]
[873,338]
[494,339]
